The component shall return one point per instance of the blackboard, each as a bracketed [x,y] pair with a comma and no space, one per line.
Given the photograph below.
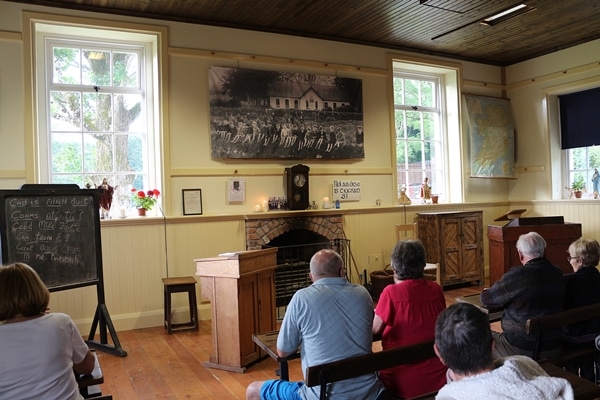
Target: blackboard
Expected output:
[56,230]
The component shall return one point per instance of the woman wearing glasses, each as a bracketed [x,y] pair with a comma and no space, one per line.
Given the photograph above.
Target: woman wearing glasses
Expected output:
[582,289]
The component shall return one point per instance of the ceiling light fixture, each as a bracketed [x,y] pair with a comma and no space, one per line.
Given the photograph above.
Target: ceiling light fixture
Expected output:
[508,13]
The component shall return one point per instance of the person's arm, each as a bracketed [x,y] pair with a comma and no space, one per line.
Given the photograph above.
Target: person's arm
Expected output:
[495,297]
[86,366]
[378,325]
[284,354]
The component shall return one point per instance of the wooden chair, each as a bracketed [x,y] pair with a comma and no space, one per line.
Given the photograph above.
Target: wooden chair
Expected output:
[410,231]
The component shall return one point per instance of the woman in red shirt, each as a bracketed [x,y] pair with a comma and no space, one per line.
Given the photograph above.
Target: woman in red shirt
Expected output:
[405,314]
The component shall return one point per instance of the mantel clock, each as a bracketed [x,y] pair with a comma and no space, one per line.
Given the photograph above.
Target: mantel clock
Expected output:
[296,178]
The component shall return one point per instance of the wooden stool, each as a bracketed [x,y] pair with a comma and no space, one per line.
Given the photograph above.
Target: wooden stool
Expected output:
[177,285]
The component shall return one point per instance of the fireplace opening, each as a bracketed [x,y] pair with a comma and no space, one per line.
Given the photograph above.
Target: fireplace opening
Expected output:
[295,249]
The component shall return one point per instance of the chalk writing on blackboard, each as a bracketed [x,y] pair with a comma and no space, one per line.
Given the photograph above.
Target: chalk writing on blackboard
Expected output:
[56,235]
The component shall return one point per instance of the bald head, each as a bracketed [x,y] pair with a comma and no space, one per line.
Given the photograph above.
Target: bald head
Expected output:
[326,264]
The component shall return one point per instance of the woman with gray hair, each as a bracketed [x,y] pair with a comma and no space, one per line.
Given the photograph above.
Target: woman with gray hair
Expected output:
[582,289]
[405,314]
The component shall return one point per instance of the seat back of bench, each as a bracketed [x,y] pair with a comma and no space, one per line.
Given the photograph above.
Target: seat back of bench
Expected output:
[361,365]
[540,325]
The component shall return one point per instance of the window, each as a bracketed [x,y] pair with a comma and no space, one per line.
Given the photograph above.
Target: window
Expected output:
[421,115]
[580,142]
[98,116]
[583,165]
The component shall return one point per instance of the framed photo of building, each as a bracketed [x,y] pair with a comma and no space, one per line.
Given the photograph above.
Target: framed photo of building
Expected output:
[257,114]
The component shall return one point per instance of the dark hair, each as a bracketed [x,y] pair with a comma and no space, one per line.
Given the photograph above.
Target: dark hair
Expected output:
[464,339]
[408,259]
[22,292]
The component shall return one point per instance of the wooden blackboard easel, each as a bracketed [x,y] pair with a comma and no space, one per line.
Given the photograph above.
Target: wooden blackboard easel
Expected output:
[55,229]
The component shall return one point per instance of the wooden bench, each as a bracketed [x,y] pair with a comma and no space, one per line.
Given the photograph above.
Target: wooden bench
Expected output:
[361,365]
[541,325]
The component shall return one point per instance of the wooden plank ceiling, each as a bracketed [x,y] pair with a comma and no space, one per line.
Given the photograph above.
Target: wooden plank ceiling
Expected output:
[439,27]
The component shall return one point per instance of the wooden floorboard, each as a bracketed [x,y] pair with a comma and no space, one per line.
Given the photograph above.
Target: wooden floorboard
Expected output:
[162,366]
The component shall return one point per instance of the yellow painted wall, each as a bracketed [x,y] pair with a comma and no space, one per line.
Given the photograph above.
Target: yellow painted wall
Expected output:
[137,253]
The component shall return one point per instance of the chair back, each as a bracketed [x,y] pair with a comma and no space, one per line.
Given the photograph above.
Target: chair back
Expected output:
[406,231]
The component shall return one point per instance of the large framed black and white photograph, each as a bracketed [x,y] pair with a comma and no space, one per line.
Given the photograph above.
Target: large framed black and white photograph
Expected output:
[257,114]
[192,201]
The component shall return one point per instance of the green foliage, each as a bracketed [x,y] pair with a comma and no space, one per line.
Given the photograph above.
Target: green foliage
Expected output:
[578,184]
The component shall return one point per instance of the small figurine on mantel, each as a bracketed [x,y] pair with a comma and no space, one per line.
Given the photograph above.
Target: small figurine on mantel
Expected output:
[425,190]
[106,197]
[404,199]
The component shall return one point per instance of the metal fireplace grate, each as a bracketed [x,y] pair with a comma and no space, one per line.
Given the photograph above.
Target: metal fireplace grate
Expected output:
[293,266]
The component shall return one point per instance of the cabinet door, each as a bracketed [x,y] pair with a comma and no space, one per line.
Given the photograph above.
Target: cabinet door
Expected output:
[451,248]
[248,315]
[257,311]
[266,301]
[472,247]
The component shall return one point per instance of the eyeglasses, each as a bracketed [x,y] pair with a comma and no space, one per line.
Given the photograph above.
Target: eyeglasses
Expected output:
[573,258]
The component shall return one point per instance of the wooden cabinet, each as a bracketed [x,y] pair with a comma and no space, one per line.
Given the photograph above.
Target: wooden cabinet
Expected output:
[503,242]
[455,241]
[241,289]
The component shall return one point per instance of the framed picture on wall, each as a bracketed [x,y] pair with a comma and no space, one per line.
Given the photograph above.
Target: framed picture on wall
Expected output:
[256,114]
[192,201]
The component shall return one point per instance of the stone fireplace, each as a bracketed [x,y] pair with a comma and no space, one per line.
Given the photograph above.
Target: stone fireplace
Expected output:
[297,238]
[260,231]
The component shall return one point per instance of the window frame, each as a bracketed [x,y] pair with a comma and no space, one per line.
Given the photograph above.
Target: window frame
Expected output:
[43,26]
[451,142]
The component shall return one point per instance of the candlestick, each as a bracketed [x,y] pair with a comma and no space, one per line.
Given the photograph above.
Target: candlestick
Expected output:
[326,203]
[265,205]
[122,212]
[257,208]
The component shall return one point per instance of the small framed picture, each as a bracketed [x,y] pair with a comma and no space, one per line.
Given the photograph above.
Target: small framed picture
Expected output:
[192,201]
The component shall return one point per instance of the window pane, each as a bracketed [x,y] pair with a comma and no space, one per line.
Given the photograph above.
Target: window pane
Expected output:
[125,69]
[96,68]
[65,111]
[428,126]
[427,94]
[413,125]
[415,152]
[135,153]
[97,111]
[411,92]
[400,133]
[66,152]
[68,179]
[99,149]
[399,91]
[66,66]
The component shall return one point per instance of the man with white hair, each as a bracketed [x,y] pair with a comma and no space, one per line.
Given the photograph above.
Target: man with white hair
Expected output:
[531,290]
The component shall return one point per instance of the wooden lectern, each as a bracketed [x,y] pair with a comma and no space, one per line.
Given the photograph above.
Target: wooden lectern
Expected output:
[503,240]
[241,289]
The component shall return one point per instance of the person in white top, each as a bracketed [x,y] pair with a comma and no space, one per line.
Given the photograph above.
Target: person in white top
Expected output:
[463,341]
[39,350]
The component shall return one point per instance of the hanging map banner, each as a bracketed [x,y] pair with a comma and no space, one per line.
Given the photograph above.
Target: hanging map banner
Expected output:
[492,136]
